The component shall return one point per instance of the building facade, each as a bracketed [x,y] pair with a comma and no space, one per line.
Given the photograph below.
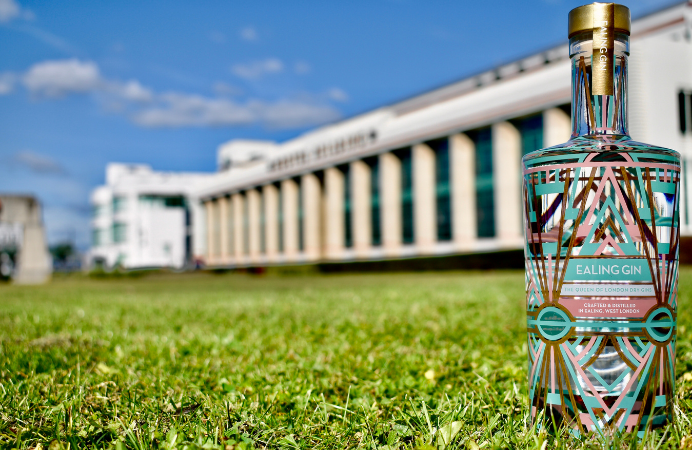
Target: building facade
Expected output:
[436,174]
[439,173]
[142,218]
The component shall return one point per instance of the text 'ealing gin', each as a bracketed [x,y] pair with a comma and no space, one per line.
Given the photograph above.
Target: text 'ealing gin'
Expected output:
[602,239]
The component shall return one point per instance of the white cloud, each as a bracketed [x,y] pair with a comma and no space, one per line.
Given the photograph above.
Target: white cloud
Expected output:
[302,68]
[56,79]
[225,89]
[7,81]
[249,34]
[61,77]
[10,9]
[256,69]
[37,163]
[72,76]
[134,91]
[337,94]
[178,110]
[296,114]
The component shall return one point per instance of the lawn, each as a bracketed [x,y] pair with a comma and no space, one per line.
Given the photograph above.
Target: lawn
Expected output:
[425,360]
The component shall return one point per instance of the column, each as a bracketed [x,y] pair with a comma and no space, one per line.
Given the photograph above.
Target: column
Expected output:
[215,231]
[224,238]
[289,192]
[506,142]
[198,217]
[271,221]
[253,199]
[360,208]
[311,191]
[238,228]
[390,203]
[424,201]
[209,214]
[334,212]
[463,184]
[556,127]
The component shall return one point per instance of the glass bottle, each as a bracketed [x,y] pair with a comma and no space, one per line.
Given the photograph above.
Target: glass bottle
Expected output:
[601,247]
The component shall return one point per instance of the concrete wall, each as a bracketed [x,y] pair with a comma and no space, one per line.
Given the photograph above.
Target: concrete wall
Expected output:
[33,261]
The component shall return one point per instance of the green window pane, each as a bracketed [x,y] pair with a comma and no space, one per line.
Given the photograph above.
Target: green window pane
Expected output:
[406,159]
[375,225]
[119,232]
[348,228]
[531,130]
[280,218]
[301,216]
[118,204]
[485,189]
[442,189]
[96,239]
[174,202]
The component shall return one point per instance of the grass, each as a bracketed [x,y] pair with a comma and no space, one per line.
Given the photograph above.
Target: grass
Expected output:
[430,360]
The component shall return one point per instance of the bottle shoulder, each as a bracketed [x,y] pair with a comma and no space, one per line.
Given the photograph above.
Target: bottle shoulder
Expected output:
[586,145]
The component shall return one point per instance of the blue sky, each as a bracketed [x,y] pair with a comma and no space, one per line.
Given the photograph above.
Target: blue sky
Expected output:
[83,83]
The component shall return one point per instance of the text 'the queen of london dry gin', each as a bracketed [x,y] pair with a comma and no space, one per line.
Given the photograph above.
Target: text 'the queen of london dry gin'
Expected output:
[602,236]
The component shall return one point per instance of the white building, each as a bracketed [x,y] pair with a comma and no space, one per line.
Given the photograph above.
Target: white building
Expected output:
[437,174]
[143,218]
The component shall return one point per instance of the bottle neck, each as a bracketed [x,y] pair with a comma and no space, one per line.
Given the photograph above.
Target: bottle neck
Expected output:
[598,115]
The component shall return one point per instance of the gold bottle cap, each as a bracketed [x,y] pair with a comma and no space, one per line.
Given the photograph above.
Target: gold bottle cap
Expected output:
[581,19]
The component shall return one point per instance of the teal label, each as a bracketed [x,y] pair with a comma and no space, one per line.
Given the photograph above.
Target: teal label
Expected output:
[608,269]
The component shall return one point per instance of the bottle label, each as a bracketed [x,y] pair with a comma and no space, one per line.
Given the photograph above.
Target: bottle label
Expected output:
[602,235]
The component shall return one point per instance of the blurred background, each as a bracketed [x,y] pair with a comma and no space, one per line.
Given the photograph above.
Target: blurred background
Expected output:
[363,135]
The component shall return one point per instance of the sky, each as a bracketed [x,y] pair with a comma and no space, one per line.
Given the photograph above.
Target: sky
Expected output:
[84,83]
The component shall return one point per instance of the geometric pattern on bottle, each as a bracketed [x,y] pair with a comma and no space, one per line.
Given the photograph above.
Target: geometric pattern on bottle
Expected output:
[602,235]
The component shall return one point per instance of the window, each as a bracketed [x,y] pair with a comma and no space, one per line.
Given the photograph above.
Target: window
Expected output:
[443,201]
[348,228]
[246,224]
[177,201]
[485,195]
[375,227]
[280,218]
[301,216]
[97,237]
[161,201]
[119,203]
[531,130]
[119,230]
[404,156]
[98,210]
[685,111]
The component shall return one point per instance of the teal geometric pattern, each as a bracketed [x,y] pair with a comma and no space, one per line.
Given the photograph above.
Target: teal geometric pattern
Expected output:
[595,365]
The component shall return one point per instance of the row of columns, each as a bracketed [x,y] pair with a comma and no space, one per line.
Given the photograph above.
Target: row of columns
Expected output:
[233,238]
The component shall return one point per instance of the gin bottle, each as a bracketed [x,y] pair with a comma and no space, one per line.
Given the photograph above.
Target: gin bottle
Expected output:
[601,228]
